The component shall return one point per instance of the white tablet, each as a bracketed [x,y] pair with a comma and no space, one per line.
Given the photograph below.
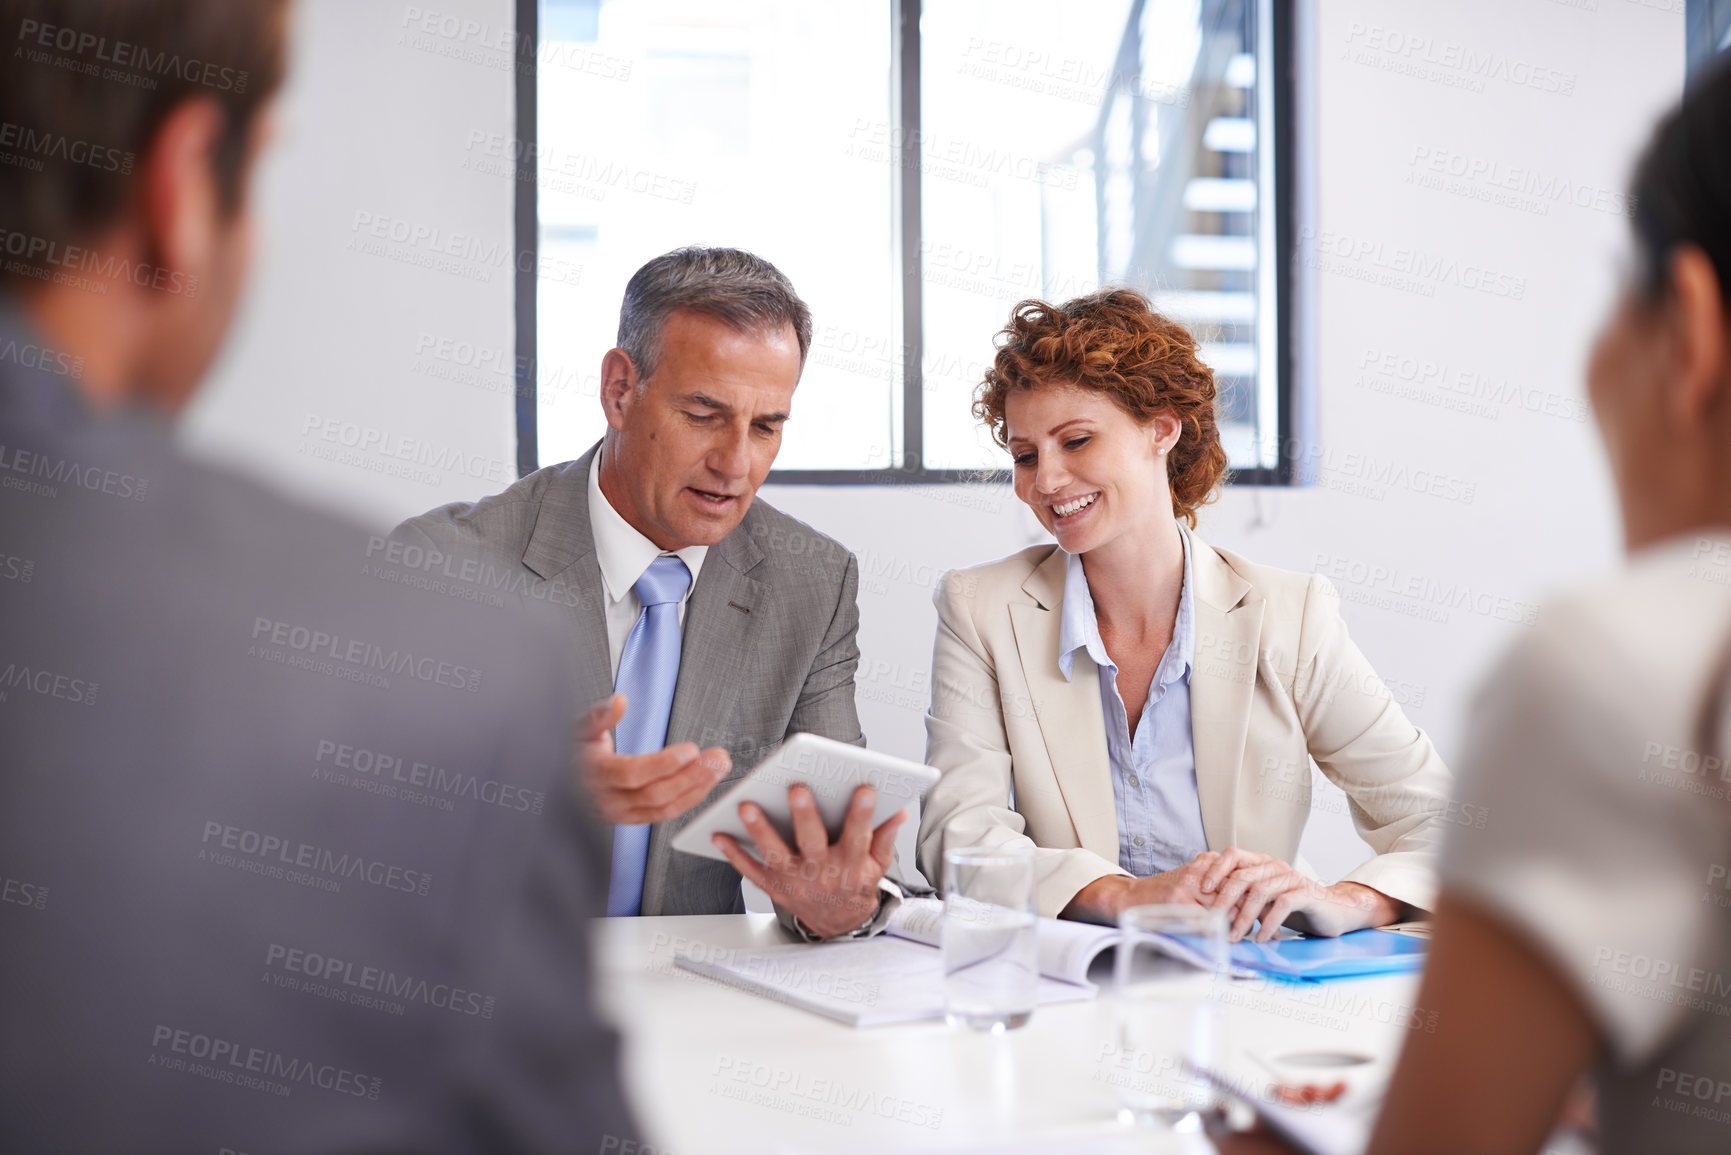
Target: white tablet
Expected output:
[831,769]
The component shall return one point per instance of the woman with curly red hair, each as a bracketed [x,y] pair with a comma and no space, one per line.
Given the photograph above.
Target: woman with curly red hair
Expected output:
[1142,707]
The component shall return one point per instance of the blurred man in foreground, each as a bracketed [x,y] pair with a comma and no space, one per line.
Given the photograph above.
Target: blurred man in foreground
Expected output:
[290,864]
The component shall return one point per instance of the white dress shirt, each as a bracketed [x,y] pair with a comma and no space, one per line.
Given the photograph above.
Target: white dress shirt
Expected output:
[624,555]
[1153,766]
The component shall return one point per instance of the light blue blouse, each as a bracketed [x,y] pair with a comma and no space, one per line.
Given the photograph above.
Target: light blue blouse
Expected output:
[1154,773]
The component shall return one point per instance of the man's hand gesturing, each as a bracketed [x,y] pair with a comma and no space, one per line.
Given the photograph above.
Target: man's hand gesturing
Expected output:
[629,789]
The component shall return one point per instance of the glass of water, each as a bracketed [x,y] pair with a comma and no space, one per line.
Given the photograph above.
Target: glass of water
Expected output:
[990,937]
[1170,973]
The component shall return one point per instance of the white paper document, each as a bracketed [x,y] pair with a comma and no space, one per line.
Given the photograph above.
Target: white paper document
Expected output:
[897,977]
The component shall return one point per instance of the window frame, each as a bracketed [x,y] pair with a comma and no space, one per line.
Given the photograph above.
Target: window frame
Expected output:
[1291,205]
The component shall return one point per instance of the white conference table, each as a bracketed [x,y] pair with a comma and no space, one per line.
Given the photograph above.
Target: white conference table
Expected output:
[712,1069]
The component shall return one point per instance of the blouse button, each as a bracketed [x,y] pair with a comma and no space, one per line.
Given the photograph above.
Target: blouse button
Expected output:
[1139,840]
[1135,782]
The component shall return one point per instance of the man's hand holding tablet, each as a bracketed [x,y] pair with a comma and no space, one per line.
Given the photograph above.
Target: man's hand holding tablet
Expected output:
[831,887]
[830,800]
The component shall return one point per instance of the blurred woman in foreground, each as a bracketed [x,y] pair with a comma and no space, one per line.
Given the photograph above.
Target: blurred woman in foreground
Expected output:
[1586,925]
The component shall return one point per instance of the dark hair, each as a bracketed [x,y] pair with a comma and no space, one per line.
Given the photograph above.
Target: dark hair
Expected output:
[740,289]
[87,84]
[1113,342]
[1682,184]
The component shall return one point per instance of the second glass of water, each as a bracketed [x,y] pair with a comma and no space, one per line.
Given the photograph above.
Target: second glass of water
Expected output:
[1171,970]
[990,937]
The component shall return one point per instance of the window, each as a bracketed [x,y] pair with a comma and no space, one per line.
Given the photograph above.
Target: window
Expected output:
[739,122]
[916,170]
[1707,33]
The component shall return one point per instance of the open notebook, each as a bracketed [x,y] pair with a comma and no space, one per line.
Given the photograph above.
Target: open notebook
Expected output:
[898,977]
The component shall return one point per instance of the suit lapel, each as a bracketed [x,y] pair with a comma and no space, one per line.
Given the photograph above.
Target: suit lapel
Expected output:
[1069,712]
[1222,687]
[715,650]
[561,551]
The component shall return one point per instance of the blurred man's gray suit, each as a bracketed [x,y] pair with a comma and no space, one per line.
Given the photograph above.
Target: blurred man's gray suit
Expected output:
[290,856]
[768,650]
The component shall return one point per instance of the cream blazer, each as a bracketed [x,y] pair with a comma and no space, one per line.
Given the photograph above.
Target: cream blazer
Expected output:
[1276,682]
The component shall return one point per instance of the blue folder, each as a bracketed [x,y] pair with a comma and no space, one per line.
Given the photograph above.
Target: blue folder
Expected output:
[1363,952]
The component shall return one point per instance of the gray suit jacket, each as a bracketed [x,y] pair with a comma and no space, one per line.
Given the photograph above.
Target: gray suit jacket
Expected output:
[768,650]
[289,854]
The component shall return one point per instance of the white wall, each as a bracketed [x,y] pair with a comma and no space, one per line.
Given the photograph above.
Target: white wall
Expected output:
[324,387]
[1522,502]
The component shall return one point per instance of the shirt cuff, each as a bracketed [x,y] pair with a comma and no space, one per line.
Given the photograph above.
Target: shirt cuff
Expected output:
[889,898]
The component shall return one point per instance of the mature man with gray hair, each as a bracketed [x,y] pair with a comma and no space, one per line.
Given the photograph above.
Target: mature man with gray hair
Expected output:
[702,617]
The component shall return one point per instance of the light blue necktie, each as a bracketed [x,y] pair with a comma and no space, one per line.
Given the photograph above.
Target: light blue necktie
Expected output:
[648,673]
